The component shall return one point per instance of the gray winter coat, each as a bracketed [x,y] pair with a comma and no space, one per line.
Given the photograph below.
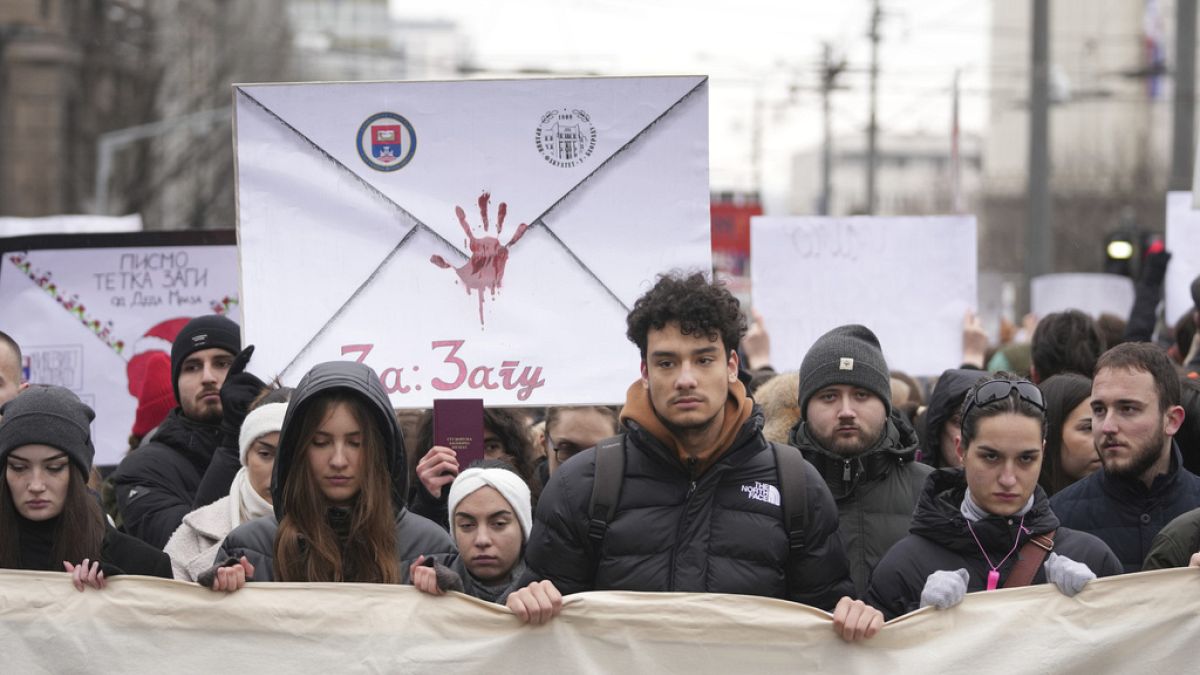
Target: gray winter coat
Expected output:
[415,536]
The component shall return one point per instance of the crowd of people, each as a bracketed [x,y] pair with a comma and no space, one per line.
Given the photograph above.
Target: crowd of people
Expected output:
[1057,458]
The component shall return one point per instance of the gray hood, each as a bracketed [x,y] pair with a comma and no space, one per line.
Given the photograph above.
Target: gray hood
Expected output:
[361,380]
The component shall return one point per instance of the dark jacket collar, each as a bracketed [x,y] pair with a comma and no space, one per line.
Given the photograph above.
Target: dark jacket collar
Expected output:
[939,519]
[194,440]
[843,475]
[1127,488]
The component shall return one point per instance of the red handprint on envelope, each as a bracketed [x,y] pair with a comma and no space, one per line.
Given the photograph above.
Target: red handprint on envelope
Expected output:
[485,269]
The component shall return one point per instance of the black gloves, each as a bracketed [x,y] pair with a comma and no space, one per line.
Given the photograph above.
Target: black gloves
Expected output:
[237,393]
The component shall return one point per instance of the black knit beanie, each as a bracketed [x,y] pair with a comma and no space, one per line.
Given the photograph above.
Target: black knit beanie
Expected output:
[1196,293]
[49,415]
[845,355]
[203,332]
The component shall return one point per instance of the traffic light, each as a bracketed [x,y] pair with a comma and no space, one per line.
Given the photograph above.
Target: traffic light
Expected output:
[1119,250]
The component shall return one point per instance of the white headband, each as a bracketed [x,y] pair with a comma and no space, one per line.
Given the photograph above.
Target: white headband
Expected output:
[261,421]
[508,484]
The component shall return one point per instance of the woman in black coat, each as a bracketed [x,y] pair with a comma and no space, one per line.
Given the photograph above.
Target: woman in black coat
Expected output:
[971,522]
[48,519]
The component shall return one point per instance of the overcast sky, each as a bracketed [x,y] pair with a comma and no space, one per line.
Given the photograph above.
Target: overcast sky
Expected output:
[750,48]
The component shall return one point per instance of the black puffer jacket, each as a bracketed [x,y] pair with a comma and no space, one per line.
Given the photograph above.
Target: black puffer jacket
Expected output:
[156,484]
[1123,512]
[673,531]
[940,540]
[875,492]
[119,553]
[944,402]
[414,535]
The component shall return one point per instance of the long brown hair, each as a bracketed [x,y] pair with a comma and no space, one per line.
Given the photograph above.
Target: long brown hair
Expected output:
[307,547]
[78,535]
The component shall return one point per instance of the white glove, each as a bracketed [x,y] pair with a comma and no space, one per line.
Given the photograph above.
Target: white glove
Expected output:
[945,589]
[1068,575]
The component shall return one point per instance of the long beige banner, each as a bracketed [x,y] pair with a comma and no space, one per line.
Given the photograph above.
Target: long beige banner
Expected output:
[1144,623]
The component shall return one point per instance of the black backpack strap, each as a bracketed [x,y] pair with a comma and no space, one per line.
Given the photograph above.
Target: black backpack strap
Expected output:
[606,487]
[790,465]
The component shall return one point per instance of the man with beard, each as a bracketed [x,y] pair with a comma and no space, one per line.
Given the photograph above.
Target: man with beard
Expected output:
[1143,484]
[156,484]
[863,448]
[699,507]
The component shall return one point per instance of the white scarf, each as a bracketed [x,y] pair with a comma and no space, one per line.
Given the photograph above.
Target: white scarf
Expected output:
[246,503]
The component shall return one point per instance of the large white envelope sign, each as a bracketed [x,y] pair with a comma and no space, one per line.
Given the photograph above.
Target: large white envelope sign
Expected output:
[499,261]
[909,279]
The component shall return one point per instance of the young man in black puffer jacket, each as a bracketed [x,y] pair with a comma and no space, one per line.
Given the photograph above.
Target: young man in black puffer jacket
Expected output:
[699,509]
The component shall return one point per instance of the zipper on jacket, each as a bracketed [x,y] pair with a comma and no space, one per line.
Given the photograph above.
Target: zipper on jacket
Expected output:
[845,471]
[687,503]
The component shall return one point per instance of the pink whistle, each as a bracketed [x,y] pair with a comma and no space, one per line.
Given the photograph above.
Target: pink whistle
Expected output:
[993,580]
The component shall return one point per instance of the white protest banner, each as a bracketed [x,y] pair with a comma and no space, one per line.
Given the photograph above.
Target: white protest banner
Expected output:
[89,310]
[479,239]
[909,279]
[1183,241]
[18,227]
[1136,623]
[1092,294]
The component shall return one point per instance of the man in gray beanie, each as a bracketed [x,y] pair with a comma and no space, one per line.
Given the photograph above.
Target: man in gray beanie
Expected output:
[863,449]
[157,483]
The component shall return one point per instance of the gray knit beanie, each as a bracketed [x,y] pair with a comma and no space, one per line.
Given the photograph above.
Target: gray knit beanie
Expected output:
[845,355]
[49,415]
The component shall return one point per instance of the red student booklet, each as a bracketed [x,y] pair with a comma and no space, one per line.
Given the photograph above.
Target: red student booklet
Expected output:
[458,425]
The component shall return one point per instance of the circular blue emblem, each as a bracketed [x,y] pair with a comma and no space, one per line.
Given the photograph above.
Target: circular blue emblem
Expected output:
[386,141]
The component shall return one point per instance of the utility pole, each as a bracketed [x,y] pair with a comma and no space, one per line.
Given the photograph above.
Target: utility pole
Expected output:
[1039,239]
[872,125]
[956,193]
[756,150]
[829,74]
[1183,143]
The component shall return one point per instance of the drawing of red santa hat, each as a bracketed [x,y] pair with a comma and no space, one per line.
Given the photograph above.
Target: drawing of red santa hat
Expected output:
[157,397]
[156,340]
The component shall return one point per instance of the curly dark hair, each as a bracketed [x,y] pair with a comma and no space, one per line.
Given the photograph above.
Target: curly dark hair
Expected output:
[698,306]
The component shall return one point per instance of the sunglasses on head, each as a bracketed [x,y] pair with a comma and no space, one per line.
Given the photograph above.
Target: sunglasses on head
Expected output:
[997,390]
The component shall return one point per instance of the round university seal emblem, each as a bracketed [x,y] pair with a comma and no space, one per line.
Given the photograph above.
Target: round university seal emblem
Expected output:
[386,141]
[565,138]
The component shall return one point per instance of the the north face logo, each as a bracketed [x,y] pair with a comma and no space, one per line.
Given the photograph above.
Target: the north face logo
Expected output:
[763,492]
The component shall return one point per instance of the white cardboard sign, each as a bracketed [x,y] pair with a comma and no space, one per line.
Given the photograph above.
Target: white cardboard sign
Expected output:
[87,310]
[1183,241]
[908,279]
[479,239]
[1092,294]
